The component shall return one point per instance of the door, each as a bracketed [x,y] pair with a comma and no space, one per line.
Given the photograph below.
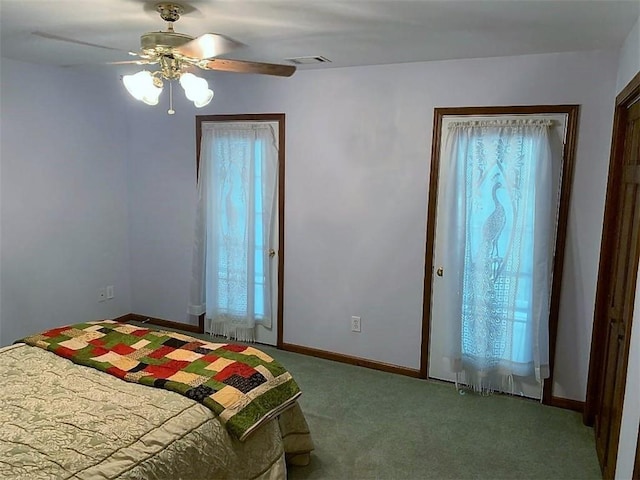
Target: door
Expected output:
[620,297]
[443,304]
[242,233]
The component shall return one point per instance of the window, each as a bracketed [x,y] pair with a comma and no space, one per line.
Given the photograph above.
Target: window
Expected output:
[237,211]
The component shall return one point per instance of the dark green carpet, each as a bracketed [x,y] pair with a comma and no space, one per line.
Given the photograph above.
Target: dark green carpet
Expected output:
[368,424]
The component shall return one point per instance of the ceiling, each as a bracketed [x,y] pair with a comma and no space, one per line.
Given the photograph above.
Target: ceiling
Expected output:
[348,32]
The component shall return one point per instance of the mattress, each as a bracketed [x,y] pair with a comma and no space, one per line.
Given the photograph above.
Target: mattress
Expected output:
[65,421]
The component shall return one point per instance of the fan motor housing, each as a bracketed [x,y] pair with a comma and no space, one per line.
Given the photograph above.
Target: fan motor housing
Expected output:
[158,41]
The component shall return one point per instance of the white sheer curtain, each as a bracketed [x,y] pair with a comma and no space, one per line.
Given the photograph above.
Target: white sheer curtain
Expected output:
[499,250]
[236,203]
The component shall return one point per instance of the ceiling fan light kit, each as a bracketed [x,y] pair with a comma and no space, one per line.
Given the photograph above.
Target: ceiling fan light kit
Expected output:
[176,52]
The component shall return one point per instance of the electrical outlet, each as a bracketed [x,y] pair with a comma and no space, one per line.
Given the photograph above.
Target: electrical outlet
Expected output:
[355,324]
[110,292]
[102,294]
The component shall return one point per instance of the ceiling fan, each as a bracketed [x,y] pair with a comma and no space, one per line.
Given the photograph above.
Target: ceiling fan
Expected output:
[171,49]
[177,54]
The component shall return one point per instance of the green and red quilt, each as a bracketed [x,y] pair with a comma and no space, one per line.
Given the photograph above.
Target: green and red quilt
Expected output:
[242,385]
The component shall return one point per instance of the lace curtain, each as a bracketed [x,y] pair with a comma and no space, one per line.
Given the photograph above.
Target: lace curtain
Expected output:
[500,247]
[236,202]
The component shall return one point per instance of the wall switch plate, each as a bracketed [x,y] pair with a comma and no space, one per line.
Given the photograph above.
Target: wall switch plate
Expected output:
[110,292]
[102,294]
[355,324]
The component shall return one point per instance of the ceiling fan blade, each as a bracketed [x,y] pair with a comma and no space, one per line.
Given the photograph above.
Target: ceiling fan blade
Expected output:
[208,45]
[243,66]
[51,36]
[132,62]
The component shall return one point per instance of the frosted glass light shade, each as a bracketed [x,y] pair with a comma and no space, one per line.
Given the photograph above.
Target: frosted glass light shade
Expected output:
[141,87]
[196,89]
[204,98]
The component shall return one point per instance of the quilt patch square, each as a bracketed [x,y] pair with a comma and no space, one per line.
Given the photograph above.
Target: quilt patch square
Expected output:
[161,352]
[89,336]
[176,364]
[199,393]
[236,368]
[227,396]
[159,371]
[188,378]
[125,363]
[73,332]
[184,355]
[245,384]
[98,351]
[123,349]
[140,344]
[220,364]
[62,351]
[74,344]
[124,328]
[232,347]
[140,353]
[109,357]
[174,343]
[258,353]
[140,332]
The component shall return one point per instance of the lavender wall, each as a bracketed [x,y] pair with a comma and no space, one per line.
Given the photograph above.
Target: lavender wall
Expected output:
[63,199]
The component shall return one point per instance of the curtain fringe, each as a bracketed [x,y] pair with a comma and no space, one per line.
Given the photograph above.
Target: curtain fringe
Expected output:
[233,332]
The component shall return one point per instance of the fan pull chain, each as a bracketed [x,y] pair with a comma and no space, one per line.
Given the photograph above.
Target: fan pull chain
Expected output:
[171,111]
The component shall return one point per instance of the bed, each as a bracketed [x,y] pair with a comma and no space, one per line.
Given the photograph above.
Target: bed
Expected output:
[60,419]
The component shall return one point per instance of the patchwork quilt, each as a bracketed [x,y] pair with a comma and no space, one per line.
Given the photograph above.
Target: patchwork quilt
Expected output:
[242,385]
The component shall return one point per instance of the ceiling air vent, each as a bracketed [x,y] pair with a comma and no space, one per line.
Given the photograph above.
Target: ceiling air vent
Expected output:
[308,60]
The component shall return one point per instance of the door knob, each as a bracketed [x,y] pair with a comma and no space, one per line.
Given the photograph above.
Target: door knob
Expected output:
[440,271]
[272,252]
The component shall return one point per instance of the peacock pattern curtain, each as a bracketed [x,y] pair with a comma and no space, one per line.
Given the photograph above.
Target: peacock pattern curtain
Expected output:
[501,236]
[236,203]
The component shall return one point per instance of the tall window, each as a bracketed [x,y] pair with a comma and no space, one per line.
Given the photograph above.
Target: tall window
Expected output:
[236,207]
